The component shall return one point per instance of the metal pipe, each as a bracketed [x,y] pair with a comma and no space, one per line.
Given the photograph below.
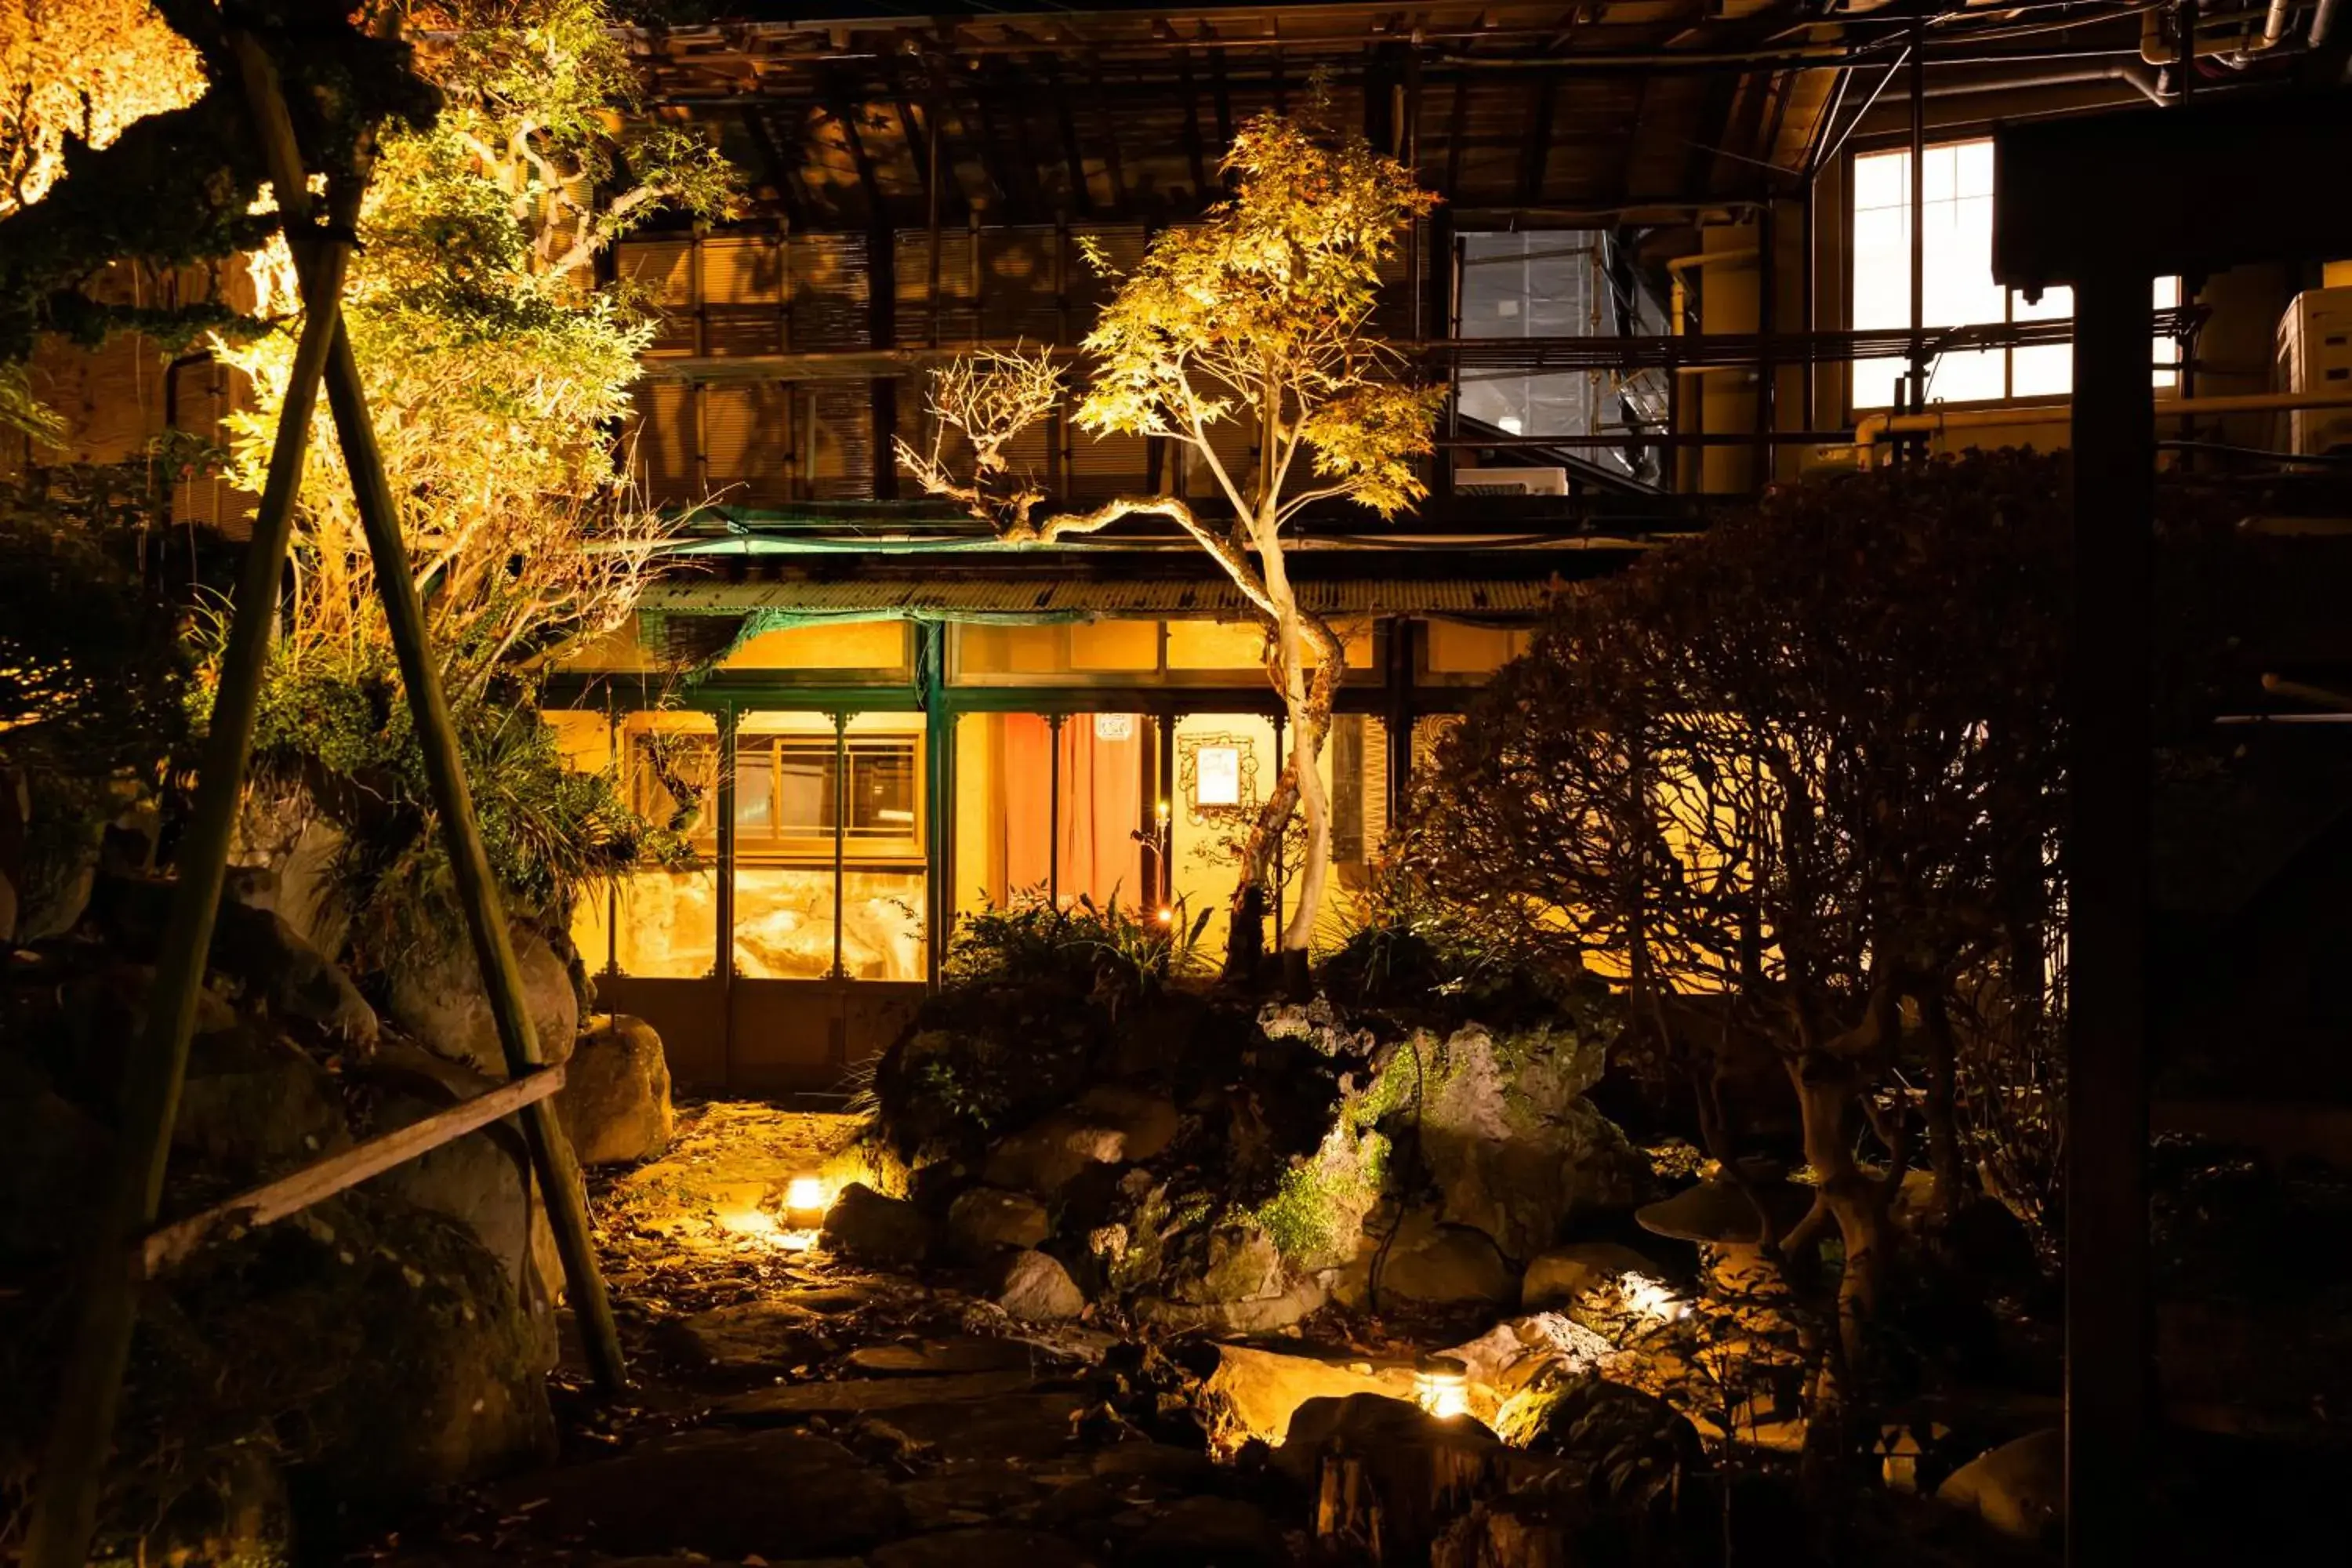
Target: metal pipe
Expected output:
[1679,265]
[1918,210]
[840,827]
[1872,427]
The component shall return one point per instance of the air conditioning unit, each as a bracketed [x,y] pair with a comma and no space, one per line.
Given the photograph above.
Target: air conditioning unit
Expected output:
[2315,354]
[1512,481]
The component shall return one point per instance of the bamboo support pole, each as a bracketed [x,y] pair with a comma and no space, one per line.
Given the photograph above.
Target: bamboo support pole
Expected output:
[65,1513]
[444,769]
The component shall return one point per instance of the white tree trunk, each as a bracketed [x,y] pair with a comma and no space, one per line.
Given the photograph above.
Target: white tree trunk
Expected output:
[1307,728]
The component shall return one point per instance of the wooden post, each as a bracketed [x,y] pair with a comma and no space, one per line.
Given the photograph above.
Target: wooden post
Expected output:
[444,769]
[2108,1403]
[65,1514]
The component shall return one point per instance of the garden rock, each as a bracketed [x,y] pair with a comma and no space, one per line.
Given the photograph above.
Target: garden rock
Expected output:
[1434,1264]
[1047,1156]
[415,1368]
[253,1103]
[984,1546]
[984,1221]
[748,1334]
[274,965]
[1207,1532]
[1145,1121]
[615,1103]
[440,1000]
[1602,1286]
[2018,1489]
[1254,1393]
[1238,1285]
[779,1495]
[1034,1286]
[483,1182]
[46,1193]
[1515,1149]
[889,1232]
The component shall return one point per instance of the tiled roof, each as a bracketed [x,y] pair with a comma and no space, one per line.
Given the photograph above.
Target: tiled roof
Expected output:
[982,597]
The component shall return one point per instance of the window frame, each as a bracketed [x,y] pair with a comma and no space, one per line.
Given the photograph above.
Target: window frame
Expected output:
[1847,216]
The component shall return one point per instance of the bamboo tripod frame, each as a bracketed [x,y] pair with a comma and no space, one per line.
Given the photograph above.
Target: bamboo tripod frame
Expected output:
[90,1389]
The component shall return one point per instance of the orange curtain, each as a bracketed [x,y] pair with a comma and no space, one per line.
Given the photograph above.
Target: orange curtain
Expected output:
[1102,798]
[1021,778]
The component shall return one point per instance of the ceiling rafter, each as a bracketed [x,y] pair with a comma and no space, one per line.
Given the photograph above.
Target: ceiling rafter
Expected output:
[1109,124]
[1192,127]
[1082,196]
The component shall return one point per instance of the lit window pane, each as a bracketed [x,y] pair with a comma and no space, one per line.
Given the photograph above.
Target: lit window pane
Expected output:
[1958,285]
[1966,378]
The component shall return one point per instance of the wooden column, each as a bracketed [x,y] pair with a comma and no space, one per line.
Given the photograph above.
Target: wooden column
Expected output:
[2108,1403]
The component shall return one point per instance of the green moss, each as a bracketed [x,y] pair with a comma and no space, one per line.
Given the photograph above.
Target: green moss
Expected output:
[1317,1210]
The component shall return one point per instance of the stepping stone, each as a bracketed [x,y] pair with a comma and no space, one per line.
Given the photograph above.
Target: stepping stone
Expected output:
[778,1495]
[767,1333]
[967,1494]
[1029,1427]
[987,1547]
[788,1403]
[943,1357]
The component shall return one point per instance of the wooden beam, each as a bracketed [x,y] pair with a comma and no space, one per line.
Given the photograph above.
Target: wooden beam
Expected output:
[878,208]
[1223,94]
[1082,196]
[297,1190]
[785,179]
[1536,154]
[1457,121]
[1192,128]
[1106,124]
[1007,189]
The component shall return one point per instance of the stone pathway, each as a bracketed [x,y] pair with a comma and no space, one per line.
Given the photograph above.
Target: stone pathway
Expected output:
[792,1408]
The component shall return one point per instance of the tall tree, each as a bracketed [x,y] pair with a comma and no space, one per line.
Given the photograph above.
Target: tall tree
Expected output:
[1806,765]
[1258,320]
[496,361]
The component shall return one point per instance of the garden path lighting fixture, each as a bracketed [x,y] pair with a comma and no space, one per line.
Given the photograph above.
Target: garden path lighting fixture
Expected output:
[1442,1385]
[805,1202]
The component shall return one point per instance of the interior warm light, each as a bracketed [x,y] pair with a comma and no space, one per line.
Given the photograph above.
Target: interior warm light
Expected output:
[1441,1385]
[804,1198]
[1166,915]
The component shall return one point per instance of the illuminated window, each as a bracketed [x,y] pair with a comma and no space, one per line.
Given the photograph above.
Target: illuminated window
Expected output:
[1958,285]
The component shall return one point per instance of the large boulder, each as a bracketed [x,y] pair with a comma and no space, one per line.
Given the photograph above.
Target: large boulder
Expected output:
[864,1225]
[391,1337]
[1253,1394]
[1145,1119]
[615,1103]
[2018,1489]
[1514,1147]
[1429,1263]
[1603,1286]
[1047,1156]
[253,1103]
[439,999]
[1035,1288]
[482,1181]
[1233,1280]
[280,969]
[984,1221]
